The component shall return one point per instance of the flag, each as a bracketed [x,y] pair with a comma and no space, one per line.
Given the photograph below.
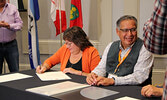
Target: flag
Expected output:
[33,16]
[57,7]
[76,13]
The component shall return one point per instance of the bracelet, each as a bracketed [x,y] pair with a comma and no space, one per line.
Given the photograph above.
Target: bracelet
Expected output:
[113,78]
[44,67]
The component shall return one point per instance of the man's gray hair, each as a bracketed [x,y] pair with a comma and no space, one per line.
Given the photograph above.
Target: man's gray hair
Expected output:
[126,17]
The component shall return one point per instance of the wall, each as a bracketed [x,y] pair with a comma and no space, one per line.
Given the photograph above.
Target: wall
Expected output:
[99,17]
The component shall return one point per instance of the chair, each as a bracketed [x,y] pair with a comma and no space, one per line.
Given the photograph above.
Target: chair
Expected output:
[147,81]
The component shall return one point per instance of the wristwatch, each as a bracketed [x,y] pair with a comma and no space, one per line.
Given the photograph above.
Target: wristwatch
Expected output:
[113,78]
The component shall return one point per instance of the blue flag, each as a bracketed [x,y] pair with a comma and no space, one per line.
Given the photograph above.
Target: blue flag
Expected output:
[33,17]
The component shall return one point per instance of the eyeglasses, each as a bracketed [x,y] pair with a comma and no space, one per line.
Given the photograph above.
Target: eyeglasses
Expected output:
[127,30]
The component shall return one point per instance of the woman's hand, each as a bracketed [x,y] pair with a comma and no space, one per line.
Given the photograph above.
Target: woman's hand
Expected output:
[41,69]
[72,71]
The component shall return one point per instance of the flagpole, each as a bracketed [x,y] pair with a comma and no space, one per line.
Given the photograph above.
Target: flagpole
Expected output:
[61,40]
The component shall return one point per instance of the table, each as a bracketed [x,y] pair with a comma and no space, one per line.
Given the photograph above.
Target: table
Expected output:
[15,90]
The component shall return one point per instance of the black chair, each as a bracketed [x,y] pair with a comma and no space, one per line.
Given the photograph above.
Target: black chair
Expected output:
[147,81]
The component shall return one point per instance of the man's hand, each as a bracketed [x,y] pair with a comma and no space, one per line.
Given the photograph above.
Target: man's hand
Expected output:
[91,79]
[4,24]
[105,81]
[150,90]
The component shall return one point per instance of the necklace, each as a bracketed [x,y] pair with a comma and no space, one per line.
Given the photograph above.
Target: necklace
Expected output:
[75,58]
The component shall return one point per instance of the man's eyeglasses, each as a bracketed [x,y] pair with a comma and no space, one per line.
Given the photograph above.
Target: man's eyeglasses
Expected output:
[127,30]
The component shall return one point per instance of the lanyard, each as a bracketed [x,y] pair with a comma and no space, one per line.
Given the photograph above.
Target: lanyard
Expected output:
[121,60]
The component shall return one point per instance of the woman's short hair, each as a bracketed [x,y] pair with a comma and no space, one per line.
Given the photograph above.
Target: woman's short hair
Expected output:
[77,36]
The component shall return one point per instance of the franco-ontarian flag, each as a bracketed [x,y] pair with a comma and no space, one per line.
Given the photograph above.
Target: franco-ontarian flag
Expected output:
[76,14]
[33,16]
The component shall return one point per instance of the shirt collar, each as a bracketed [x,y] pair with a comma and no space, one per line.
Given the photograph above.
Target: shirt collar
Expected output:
[4,7]
[120,46]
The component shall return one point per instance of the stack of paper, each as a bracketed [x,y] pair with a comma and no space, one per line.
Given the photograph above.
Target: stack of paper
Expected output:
[58,75]
[12,77]
[127,98]
[57,88]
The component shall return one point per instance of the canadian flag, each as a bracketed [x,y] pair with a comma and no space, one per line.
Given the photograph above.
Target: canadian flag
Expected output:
[57,7]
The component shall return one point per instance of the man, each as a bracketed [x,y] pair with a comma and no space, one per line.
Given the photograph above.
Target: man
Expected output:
[155,40]
[10,22]
[125,61]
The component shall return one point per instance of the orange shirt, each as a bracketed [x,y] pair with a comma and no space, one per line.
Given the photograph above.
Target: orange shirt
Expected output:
[90,58]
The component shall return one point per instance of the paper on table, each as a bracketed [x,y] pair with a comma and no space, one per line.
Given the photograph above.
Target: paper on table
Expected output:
[12,77]
[57,88]
[58,75]
[127,98]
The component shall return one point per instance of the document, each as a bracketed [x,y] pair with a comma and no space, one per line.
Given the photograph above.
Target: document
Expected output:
[12,77]
[57,88]
[127,98]
[58,75]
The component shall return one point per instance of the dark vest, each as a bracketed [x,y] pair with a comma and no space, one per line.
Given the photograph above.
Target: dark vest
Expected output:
[128,64]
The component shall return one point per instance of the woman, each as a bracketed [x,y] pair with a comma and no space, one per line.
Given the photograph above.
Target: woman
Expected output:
[77,55]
